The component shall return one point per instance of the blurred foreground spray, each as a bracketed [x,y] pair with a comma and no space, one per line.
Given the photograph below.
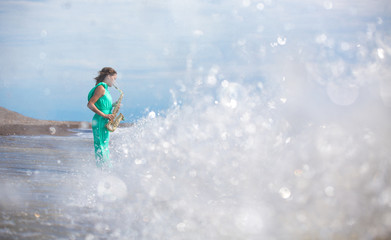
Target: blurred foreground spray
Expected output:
[303,153]
[294,145]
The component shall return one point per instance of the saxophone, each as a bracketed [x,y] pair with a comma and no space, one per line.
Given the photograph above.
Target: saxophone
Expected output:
[113,124]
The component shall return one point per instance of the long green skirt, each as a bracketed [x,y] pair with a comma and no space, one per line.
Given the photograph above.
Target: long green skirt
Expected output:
[101,141]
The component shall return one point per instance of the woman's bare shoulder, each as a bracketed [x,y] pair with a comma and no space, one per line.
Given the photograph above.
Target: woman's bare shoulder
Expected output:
[100,89]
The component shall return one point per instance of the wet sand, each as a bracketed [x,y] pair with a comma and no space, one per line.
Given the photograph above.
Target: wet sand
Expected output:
[12,123]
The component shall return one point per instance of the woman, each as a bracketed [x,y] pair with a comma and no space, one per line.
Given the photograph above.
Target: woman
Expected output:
[100,102]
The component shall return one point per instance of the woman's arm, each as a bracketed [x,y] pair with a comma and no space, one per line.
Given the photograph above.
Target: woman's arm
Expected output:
[99,92]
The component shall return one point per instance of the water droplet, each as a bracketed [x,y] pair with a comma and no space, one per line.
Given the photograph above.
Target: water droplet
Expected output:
[139,161]
[233,103]
[224,83]
[181,227]
[260,6]
[281,40]
[242,42]
[151,115]
[89,237]
[329,191]
[193,173]
[245,117]
[212,79]
[251,128]
[271,105]
[198,33]
[298,172]
[322,38]
[328,5]
[345,46]
[284,192]
[111,188]
[52,130]
[148,176]
[166,144]
[246,3]
[260,86]
[380,53]
[146,219]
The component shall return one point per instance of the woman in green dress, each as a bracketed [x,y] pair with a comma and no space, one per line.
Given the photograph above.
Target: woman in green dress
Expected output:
[100,102]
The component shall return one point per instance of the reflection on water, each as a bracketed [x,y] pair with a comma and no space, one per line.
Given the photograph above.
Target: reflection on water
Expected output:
[51,189]
[38,180]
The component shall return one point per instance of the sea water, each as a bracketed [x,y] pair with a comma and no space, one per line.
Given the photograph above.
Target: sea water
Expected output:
[228,162]
[279,132]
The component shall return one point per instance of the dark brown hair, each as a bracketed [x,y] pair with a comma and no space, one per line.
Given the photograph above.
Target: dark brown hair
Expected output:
[104,73]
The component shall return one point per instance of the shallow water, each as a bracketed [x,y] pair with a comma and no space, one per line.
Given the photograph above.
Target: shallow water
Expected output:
[37,181]
[51,189]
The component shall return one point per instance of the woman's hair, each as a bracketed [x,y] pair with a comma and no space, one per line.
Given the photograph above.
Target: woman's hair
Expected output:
[104,73]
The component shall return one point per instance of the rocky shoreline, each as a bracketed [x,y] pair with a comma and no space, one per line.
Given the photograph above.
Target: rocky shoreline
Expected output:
[12,123]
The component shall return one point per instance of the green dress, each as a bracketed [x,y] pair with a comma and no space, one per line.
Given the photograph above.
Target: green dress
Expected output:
[99,130]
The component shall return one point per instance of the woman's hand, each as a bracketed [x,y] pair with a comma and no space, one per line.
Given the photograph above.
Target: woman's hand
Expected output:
[109,116]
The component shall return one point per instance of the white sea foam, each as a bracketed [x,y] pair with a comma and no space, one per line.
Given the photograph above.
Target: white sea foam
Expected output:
[285,160]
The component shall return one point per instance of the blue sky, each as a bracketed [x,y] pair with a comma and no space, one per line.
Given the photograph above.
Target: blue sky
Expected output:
[52,50]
